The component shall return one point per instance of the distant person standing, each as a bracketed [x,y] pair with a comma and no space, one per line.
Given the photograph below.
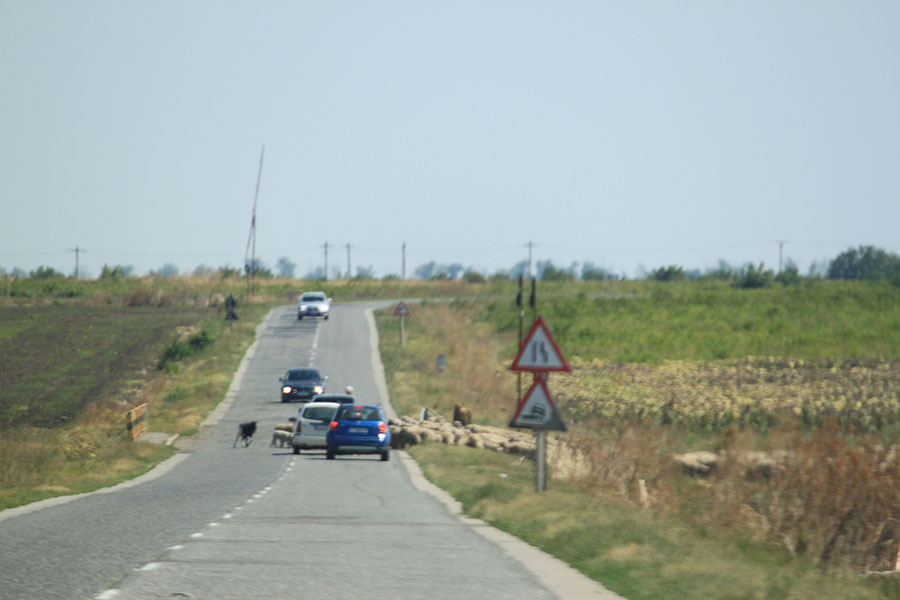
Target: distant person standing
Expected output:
[230,303]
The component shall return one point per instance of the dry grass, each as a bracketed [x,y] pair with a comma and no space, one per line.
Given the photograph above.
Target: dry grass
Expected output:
[471,377]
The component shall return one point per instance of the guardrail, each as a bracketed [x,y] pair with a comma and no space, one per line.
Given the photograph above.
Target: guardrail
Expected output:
[136,420]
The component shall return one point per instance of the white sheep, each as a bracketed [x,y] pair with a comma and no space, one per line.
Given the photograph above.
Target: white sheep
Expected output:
[281,438]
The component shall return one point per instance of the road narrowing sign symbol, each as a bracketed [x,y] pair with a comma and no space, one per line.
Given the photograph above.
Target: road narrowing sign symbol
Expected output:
[539,352]
[537,410]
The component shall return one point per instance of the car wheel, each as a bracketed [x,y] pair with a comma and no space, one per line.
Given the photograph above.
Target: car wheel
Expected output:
[326,317]
[385,456]
[296,450]
[299,317]
[329,454]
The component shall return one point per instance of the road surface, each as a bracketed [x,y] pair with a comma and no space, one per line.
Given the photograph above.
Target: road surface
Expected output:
[217,522]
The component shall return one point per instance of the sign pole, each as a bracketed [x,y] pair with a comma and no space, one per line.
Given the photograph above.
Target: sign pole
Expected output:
[540,456]
[540,462]
[521,319]
[401,311]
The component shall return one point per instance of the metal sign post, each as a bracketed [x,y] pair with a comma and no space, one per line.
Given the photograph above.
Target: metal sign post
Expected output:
[540,461]
[401,311]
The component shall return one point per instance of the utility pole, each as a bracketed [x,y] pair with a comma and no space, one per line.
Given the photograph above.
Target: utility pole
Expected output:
[530,247]
[780,254]
[250,265]
[349,270]
[77,252]
[326,261]
[403,264]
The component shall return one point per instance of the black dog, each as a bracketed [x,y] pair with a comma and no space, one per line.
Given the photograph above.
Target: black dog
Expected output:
[245,434]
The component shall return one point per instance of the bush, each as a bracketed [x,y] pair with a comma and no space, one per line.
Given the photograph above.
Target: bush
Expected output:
[670,273]
[46,273]
[790,276]
[753,277]
[473,277]
[180,349]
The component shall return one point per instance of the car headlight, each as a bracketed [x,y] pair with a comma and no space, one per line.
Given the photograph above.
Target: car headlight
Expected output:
[286,389]
[319,389]
[303,307]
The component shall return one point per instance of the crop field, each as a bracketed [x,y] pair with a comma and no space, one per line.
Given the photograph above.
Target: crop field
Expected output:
[757,393]
[55,359]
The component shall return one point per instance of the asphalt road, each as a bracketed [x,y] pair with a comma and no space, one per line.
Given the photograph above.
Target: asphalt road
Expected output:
[217,522]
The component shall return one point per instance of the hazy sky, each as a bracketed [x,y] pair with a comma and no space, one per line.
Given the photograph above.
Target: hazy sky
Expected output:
[630,134]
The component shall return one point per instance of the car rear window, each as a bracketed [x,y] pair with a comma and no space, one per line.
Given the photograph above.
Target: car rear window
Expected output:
[322,413]
[359,413]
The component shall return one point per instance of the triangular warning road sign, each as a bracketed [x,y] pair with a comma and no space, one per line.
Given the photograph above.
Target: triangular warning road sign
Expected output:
[537,411]
[539,352]
[401,310]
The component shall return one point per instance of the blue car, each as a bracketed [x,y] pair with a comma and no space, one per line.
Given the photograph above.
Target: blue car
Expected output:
[358,429]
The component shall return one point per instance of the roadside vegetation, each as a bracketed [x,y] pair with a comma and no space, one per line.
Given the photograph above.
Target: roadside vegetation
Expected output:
[805,369]
[810,374]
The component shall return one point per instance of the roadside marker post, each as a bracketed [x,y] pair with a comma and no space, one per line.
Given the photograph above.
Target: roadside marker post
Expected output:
[136,421]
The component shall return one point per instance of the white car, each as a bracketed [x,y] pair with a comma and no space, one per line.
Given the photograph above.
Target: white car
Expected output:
[312,425]
[313,304]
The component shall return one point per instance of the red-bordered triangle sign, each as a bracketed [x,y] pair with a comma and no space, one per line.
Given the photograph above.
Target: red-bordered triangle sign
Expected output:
[539,352]
[401,310]
[537,410]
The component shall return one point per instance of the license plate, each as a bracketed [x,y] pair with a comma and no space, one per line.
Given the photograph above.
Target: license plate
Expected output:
[320,427]
[357,430]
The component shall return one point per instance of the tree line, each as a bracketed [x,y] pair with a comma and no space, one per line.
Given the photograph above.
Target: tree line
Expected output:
[863,263]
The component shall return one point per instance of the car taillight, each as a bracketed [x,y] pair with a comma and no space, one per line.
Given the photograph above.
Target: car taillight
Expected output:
[299,427]
[382,427]
[334,425]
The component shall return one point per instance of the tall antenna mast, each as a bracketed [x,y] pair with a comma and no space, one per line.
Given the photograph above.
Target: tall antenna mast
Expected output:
[250,266]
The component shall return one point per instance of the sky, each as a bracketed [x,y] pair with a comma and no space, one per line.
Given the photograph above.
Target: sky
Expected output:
[629,134]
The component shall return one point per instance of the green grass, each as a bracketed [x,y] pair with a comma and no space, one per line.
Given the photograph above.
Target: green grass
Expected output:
[649,322]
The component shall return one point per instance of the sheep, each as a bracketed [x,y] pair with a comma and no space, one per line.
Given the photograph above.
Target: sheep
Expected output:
[281,438]
[402,437]
[462,415]
[285,427]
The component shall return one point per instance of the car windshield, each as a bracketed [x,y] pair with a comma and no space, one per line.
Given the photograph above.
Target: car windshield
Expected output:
[320,413]
[296,374]
[359,413]
[313,297]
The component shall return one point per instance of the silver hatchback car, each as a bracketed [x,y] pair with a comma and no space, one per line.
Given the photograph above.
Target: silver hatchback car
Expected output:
[312,426]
